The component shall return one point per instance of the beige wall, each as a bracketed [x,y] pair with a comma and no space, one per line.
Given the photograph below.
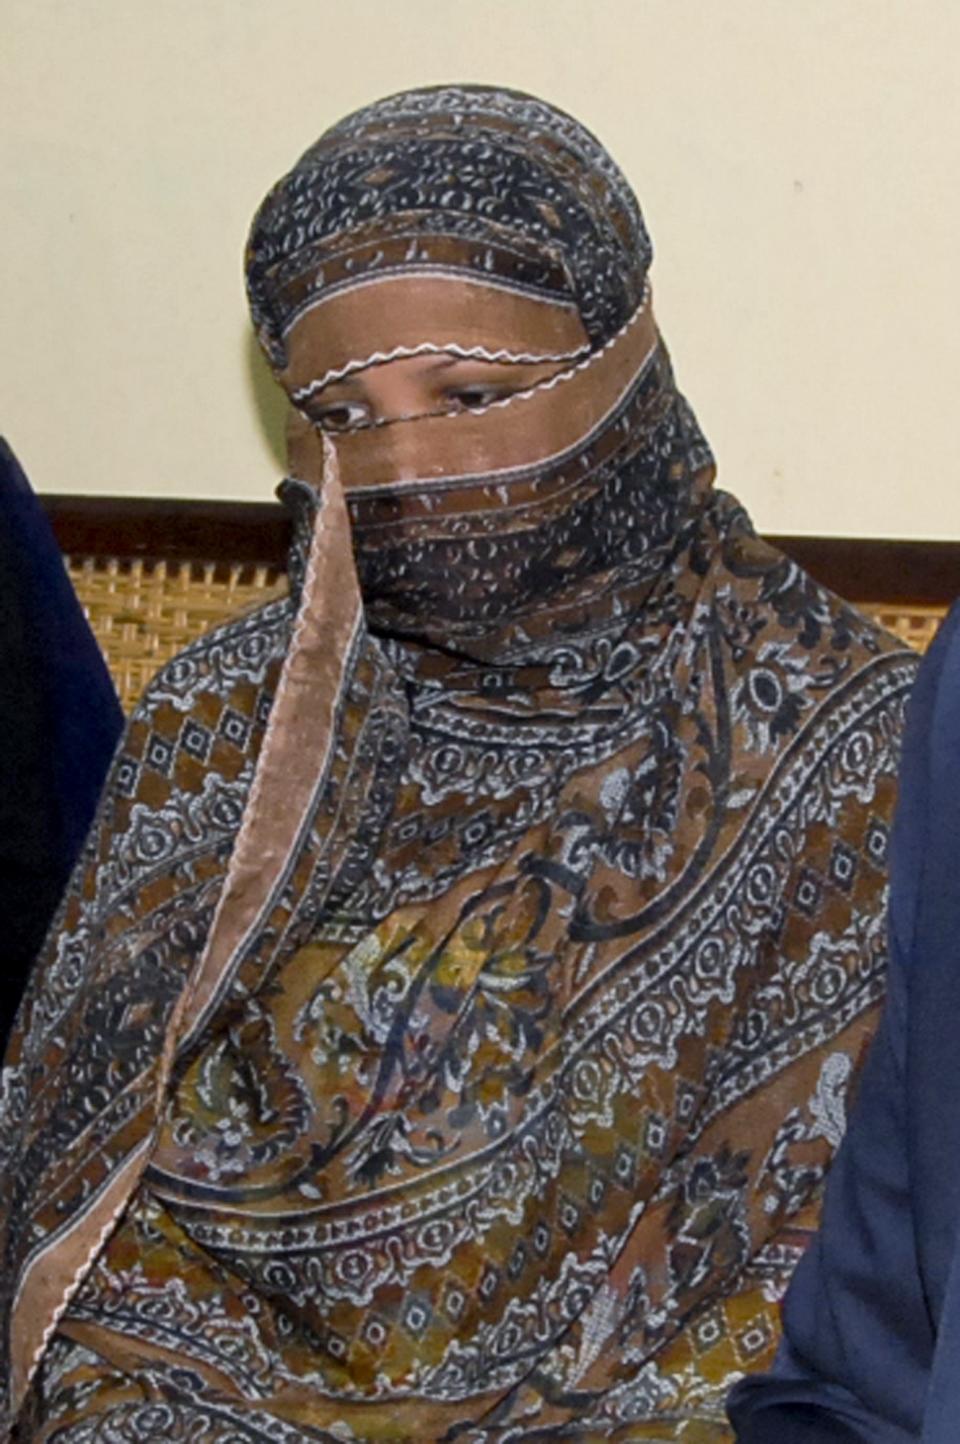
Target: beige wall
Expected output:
[798,162]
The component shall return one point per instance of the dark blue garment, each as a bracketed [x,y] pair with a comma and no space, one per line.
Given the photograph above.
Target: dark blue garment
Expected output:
[59,724]
[872,1319]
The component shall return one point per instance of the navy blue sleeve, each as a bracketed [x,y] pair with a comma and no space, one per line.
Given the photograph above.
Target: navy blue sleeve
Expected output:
[59,721]
[858,1338]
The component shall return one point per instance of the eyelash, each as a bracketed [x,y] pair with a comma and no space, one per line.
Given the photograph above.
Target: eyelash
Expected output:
[326,419]
[472,397]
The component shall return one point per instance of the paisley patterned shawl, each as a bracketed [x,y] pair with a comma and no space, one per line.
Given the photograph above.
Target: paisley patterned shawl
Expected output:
[449,1025]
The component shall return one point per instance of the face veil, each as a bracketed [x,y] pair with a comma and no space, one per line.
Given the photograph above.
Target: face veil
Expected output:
[483,223]
[486,933]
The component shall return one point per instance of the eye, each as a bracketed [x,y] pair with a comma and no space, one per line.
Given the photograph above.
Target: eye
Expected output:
[474,396]
[339,416]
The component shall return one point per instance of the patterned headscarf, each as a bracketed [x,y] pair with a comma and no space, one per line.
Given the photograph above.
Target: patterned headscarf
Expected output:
[490,182]
[452,1023]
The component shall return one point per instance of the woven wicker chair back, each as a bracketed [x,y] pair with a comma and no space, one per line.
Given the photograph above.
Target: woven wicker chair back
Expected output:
[143,612]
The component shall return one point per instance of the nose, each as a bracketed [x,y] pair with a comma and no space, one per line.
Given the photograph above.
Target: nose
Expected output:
[386,454]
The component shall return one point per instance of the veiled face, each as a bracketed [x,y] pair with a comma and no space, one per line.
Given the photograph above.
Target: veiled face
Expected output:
[451,288]
[413,386]
[481,486]
[408,349]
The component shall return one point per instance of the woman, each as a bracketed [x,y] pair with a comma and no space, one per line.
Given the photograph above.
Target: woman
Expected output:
[453,1023]
[872,1318]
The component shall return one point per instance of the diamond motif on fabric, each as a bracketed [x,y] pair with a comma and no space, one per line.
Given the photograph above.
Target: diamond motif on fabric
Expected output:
[336,1346]
[687,1098]
[196,740]
[708,1332]
[877,842]
[159,754]
[843,865]
[127,775]
[409,829]
[234,728]
[417,1315]
[624,1166]
[489,1283]
[597,1191]
[808,893]
[454,1302]
[655,1135]
[569,1216]
[517,1260]
[754,1340]
[477,831]
[375,1332]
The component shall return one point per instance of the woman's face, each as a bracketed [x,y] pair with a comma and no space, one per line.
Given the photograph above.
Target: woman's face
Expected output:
[420,346]
[419,386]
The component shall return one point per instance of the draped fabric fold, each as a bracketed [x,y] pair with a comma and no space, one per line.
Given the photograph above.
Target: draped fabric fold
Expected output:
[450,1031]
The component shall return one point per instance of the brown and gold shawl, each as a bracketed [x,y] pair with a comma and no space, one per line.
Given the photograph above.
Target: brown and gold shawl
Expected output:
[449,1026]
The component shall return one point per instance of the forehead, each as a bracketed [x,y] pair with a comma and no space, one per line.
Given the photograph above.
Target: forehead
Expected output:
[393,316]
